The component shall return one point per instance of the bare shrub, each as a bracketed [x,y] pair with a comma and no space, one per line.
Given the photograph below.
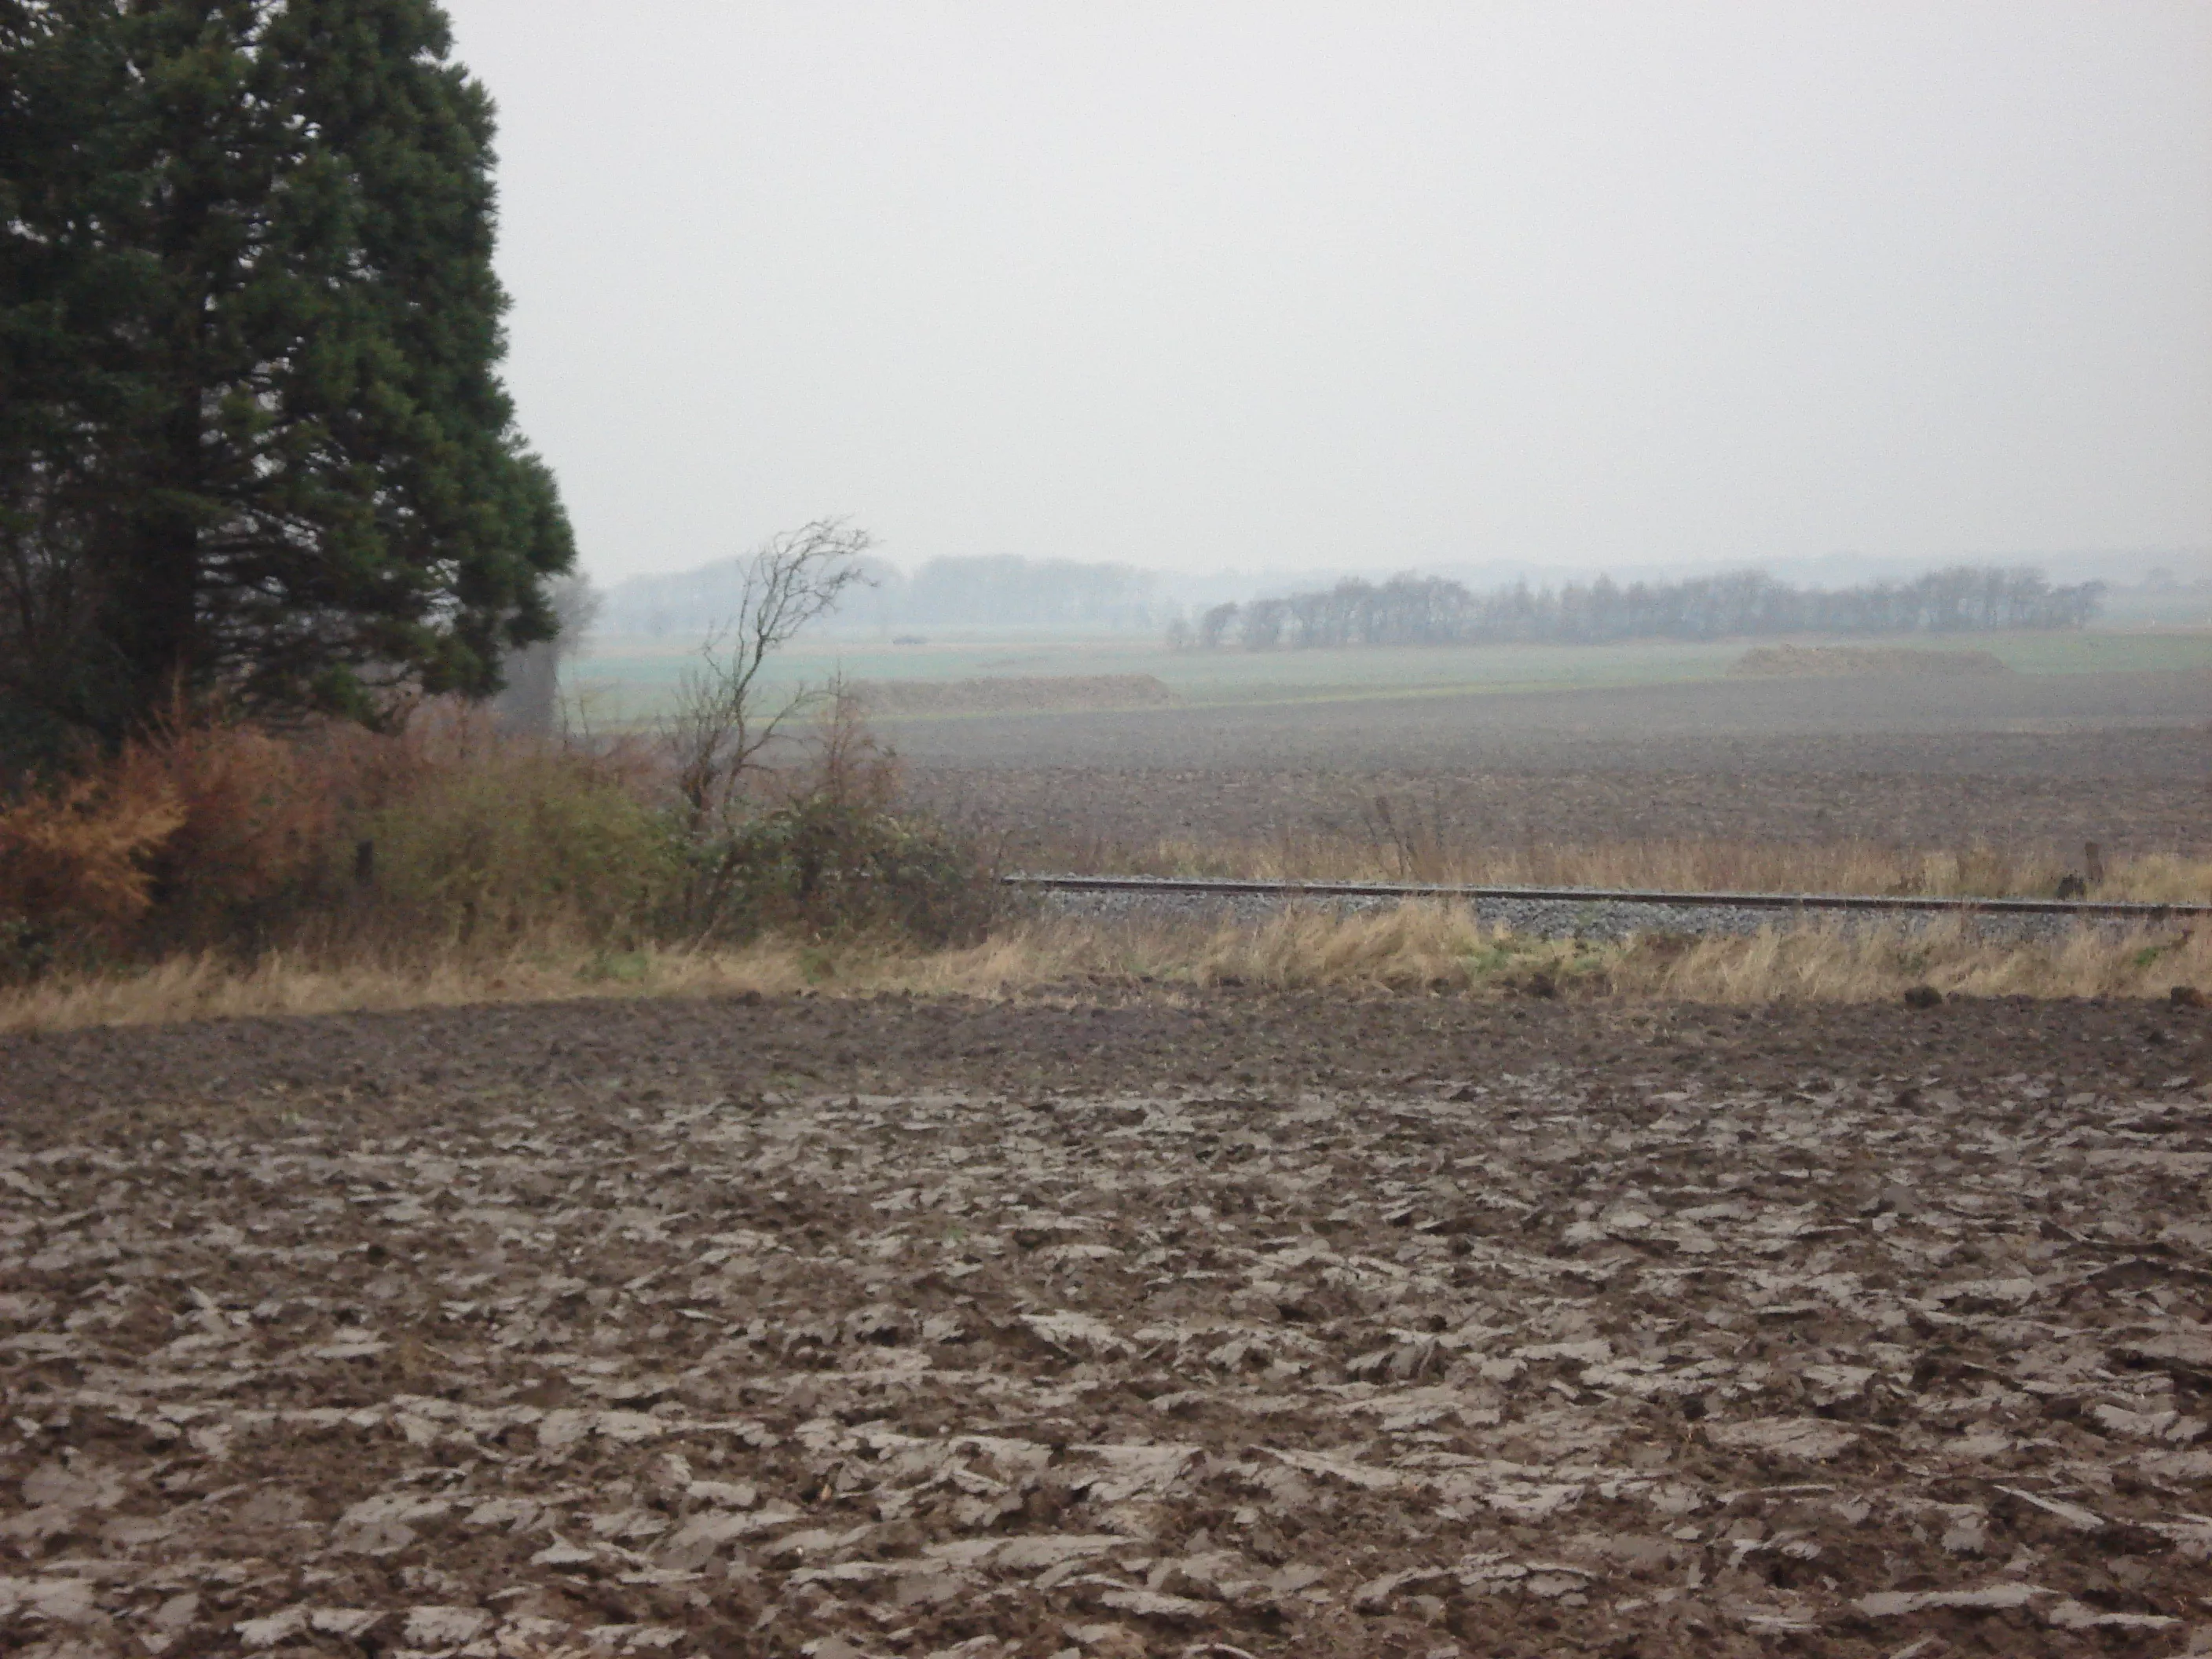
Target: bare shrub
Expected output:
[830,855]
[453,837]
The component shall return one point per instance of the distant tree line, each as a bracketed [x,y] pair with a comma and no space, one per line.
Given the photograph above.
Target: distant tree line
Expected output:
[1413,610]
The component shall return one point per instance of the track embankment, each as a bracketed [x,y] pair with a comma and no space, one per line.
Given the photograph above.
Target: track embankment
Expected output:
[1584,912]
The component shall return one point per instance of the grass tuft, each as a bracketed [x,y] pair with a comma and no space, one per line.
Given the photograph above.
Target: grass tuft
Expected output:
[1402,843]
[1412,949]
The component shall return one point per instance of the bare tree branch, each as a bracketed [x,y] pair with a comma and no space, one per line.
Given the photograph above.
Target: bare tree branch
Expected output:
[721,721]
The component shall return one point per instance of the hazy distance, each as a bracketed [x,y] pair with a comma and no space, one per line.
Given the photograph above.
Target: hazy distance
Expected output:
[1274,287]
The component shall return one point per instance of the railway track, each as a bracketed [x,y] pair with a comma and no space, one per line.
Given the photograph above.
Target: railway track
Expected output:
[1590,910]
[1205,886]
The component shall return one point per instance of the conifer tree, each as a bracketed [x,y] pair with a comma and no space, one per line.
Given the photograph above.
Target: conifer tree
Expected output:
[252,437]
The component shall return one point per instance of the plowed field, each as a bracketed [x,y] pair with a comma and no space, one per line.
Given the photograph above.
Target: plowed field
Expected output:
[2034,761]
[1257,1325]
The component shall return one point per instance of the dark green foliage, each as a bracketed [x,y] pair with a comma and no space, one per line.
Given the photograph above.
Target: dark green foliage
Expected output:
[820,866]
[252,439]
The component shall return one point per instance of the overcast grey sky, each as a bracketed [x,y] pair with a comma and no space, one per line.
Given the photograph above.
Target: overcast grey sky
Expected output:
[1197,285]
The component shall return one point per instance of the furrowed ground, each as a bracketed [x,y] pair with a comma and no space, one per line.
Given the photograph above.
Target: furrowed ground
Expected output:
[2024,761]
[1252,1325]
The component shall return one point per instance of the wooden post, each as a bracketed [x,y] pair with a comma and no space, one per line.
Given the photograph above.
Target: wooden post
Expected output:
[2093,863]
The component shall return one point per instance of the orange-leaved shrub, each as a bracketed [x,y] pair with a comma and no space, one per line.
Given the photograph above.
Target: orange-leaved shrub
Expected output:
[257,816]
[79,852]
[181,836]
[452,834]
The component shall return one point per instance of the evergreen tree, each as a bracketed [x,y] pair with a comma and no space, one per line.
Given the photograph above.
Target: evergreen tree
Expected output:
[252,438]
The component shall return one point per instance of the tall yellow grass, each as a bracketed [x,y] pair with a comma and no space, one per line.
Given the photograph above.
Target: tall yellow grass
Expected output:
[1409,851]
[1423,948]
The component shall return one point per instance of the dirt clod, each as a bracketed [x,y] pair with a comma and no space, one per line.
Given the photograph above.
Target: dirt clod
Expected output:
[1295,1326]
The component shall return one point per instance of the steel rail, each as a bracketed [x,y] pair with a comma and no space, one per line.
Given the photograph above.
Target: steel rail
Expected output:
[1203,887]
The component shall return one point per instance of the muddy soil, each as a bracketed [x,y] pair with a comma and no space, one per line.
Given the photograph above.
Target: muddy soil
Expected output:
[2038,761]
[1255,1325]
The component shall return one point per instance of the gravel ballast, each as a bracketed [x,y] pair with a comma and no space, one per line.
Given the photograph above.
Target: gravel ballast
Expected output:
[1595,915]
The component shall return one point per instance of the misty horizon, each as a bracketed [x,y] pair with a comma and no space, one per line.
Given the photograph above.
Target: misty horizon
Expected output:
[1259,289]
[1046,596]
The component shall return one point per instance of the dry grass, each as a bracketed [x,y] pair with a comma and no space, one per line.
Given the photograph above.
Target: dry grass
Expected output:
[1440,948]
[1414,948]
[1827,964]
[1403,845]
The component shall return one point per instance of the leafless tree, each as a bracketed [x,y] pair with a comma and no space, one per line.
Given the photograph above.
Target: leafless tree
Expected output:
[723,718]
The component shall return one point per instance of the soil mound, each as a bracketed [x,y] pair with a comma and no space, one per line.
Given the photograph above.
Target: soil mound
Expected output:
[1799,661]
[1014,693]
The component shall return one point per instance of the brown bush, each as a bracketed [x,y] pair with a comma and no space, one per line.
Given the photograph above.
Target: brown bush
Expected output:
[258,815]
[79,856]
[450,837]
